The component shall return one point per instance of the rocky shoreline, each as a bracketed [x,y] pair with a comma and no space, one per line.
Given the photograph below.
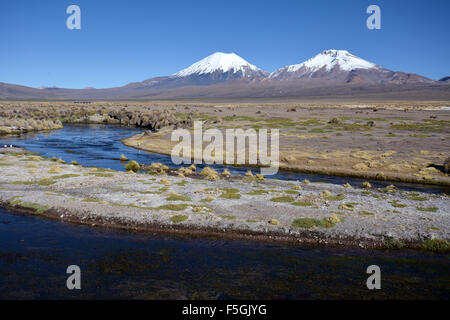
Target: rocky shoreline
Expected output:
[222,206]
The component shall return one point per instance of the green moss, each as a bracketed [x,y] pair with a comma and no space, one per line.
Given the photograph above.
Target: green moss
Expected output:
[366,213]
[252,221]
[317,130]
[398,205]
[426,125]
[36,206]
[228,217]
[433,228]
[309,223]
[291,192]
[257,192]
[173,207]
[65,176]
[335,198]
[282,199]
[416,197]
[436,245]
[431,209]
[393,243]
[91,200]
[303,204]
[177,197]
[181,183]
[274,222]
[14,198]
[47,182]
[230,195]
[178,218]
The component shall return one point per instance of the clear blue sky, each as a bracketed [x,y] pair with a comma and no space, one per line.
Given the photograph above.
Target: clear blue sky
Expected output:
[126,41]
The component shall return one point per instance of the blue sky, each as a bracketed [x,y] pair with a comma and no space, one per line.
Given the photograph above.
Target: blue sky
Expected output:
[126,41]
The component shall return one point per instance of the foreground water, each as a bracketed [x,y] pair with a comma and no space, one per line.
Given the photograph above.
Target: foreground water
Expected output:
[35,253]
[100,146]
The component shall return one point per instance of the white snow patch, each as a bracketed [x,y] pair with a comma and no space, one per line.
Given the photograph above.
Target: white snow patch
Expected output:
[218,61]
[329,59]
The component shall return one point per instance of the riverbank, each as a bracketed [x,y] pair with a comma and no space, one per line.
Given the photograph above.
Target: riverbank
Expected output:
[370,142]
[236,207]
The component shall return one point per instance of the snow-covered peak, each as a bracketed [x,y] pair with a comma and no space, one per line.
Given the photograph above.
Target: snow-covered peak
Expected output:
[219,61]
[331,58]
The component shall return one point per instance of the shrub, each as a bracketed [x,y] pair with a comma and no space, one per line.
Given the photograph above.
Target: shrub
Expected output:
[274,222]
[132,166]
[366,185]
[123,158]
[326,193]
[159,168]
[178,218]
[209,173]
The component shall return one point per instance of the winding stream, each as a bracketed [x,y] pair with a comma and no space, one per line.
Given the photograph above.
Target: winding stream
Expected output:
[100,146]
[35,252]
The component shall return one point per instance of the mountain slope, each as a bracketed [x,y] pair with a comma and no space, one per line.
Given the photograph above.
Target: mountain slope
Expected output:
[333,72]
[216,68]
[229,64]
[340,66]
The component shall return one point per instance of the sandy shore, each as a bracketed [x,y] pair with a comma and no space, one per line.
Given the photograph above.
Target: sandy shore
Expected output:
[233,207]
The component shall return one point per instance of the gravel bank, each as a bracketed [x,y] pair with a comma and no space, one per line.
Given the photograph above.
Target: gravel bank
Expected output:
[229,207]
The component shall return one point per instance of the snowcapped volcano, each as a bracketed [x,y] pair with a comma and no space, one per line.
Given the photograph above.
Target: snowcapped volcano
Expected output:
[324,63]
[220,63]
[336,58]
[340,66]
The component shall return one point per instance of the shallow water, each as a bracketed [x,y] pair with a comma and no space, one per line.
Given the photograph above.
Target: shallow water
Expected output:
[35,253]
[100,146]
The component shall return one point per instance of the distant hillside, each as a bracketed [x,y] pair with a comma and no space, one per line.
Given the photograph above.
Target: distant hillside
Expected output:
[332,74]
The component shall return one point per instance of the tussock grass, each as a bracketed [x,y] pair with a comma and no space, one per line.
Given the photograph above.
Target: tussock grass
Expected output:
[132,166]
[178,218]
